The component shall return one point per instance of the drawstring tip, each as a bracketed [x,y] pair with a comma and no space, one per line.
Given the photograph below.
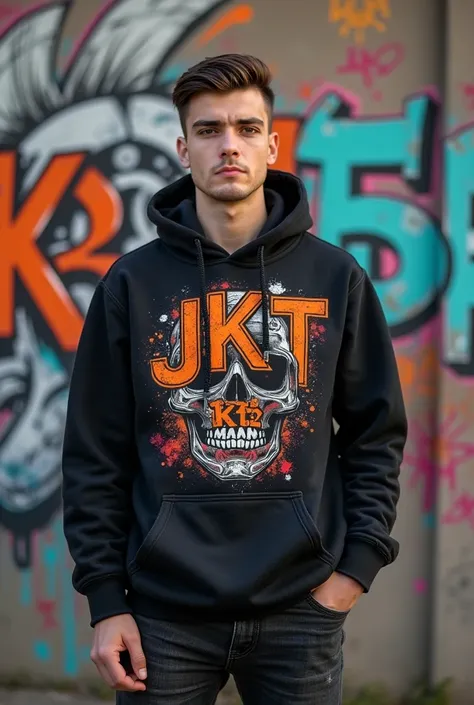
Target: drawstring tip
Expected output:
[266,355]
[207,410]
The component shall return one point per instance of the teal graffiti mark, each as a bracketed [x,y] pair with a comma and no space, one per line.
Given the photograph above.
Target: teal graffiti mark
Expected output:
[459,227]
[68,618]
[429,520]
[42,651]
[26,589]
[57,587]
[65,47]
[172,73]
[393,237]
[50,562]
[50,358]
[280,103]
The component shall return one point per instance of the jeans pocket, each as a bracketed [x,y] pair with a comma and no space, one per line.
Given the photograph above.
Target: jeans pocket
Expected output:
[337,615]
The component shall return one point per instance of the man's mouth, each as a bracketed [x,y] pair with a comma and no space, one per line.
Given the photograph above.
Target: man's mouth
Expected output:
[230,170]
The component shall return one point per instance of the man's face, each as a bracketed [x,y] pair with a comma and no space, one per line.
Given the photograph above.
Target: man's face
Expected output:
[228,146]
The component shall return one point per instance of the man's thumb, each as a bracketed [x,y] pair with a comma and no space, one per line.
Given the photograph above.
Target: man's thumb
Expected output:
[137,657]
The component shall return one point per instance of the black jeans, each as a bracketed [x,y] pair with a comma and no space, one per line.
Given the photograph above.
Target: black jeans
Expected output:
[293,658]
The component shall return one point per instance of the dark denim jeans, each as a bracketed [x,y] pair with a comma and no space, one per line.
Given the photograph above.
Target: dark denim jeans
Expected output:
[293,658]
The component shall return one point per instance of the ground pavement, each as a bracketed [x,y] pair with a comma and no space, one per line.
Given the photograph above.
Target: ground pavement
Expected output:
[46,697]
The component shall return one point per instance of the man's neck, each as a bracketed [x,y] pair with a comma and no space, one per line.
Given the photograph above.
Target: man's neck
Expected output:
[231,224]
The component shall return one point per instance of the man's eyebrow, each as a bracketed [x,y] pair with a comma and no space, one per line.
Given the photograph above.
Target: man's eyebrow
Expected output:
[219,123]
[250,121]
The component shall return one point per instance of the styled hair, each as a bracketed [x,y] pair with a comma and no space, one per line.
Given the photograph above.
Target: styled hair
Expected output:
[222,74]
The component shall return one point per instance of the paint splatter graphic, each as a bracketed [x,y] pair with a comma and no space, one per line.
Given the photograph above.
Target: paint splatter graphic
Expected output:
[254,420]
[172,442]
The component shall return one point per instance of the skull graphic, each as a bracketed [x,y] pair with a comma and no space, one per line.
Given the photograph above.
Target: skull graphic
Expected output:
[242,435]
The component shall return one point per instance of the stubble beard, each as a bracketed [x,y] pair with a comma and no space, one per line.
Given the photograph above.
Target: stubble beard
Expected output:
[232,193]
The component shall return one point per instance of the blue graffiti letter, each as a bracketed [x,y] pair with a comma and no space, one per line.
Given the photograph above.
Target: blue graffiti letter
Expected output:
[399,243]
[459,224]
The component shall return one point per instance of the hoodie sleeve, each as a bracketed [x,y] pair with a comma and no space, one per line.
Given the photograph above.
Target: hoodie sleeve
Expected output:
[369,408]
[99,457]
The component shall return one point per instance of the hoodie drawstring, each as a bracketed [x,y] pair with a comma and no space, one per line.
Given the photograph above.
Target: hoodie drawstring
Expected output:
[265,308]
[206,348]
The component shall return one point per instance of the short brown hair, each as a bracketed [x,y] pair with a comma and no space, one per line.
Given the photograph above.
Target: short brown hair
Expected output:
[221,74]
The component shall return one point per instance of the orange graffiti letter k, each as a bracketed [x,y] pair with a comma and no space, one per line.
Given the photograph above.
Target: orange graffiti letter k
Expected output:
[21,256]
[19,253]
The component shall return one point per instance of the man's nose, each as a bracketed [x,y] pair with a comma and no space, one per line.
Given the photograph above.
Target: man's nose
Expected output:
[229,145]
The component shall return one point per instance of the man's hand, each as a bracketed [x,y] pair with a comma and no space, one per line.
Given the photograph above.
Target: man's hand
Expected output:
[112,637]
[338,593]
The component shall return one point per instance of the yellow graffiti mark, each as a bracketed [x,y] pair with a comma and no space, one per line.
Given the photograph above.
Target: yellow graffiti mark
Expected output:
[358,19]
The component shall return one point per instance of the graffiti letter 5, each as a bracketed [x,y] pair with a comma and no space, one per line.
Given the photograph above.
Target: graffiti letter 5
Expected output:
[459,193]
[398,242]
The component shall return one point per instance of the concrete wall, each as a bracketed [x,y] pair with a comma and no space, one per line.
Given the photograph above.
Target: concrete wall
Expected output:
[361,87]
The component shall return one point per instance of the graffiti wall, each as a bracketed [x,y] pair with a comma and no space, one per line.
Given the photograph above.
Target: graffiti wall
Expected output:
[375,110]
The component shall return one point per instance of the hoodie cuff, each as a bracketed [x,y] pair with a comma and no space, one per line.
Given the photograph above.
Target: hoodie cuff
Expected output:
[107,598]
[361,561]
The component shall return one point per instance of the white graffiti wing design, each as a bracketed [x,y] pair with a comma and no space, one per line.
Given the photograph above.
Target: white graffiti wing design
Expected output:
[28,90]
[127,48]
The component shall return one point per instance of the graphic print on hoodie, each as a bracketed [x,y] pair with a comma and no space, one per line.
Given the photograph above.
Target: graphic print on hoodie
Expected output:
[201,470]
[257,408]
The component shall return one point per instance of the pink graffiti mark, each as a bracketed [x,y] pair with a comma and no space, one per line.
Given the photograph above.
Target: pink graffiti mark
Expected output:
[428,335]
[6,11]
[461,511]
[372,65]
[389,263]
[468,94]
[420,586]
[46,609]
[381,183]
[6,416]
[422,460]
[438,458]
[17,16]
[80,604]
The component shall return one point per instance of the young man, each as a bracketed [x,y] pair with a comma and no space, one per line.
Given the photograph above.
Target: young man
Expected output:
[217,522]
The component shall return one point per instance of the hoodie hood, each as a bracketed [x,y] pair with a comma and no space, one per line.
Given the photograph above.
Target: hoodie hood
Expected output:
[173,212]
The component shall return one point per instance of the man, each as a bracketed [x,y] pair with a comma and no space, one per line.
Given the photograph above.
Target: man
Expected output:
[217,522]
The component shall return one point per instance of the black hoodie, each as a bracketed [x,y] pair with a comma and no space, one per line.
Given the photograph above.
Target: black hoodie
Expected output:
[202,472]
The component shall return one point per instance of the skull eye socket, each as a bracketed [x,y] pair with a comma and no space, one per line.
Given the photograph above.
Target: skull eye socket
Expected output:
[272,378]
[198,383]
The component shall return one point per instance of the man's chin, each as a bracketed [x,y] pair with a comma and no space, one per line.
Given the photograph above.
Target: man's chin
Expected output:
[230,193]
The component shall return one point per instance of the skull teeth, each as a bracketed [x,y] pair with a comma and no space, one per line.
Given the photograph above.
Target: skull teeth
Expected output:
[243,438]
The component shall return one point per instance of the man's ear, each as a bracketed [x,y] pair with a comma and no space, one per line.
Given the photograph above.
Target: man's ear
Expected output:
[273,144]
[182,150]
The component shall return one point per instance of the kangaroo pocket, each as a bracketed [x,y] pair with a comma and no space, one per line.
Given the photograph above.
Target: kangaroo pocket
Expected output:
[229,552]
